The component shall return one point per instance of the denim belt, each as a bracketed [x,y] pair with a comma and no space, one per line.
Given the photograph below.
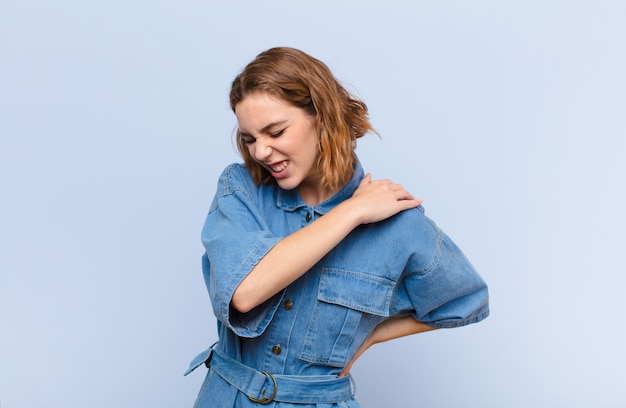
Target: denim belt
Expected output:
[263,387]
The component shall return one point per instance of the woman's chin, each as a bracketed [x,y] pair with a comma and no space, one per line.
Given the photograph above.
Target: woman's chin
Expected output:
[286,184]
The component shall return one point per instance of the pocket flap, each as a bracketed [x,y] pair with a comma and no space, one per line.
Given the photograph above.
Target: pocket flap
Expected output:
[356,290]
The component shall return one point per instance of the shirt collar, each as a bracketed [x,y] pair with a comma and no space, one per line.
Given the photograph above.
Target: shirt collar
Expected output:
[290,200]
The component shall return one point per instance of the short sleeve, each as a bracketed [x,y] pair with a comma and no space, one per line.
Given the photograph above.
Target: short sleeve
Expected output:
[236,236]
[440,287]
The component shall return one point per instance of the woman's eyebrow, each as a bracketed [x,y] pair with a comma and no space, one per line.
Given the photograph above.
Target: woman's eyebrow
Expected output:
[271,125]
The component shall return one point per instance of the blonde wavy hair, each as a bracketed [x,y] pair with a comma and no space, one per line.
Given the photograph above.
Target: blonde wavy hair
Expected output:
[307,83]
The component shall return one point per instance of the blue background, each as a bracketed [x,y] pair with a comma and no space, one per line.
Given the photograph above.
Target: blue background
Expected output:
[508,118]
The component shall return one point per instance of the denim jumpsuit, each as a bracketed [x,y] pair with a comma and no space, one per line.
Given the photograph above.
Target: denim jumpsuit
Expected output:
[288,351]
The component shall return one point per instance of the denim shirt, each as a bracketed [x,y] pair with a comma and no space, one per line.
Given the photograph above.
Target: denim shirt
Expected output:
[404,265]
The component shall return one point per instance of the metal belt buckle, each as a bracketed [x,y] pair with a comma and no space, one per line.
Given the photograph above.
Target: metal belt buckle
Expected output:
[266,400]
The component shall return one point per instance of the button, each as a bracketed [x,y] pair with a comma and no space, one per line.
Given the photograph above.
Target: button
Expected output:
[308,217]
[277,349]
[288,305]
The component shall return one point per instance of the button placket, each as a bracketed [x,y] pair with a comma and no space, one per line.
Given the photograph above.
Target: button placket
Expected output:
[277,345]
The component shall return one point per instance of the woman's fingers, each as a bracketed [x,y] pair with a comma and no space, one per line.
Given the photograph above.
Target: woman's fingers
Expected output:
[401,193]
[381,199]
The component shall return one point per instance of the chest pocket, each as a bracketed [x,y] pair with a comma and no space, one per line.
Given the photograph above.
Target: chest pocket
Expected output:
[349,305]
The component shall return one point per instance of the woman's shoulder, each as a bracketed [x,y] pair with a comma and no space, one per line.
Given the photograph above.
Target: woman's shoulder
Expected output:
[414,230]
[235,170]
[235,176]
[416,218]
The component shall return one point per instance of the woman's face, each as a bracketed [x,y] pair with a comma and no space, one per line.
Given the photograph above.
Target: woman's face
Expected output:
[283,139]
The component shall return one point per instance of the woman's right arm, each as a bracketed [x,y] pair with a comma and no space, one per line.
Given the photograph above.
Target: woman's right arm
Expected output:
[295,254]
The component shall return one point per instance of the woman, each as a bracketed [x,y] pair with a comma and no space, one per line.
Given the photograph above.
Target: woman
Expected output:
[308,261]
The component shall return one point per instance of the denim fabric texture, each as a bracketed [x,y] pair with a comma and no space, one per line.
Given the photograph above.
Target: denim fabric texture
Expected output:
[404,265]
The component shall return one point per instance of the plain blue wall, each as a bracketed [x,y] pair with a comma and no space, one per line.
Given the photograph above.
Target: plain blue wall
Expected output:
[507,118]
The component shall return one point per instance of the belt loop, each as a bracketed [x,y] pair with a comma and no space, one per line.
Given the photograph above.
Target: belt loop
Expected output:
[207,362]
[352,383]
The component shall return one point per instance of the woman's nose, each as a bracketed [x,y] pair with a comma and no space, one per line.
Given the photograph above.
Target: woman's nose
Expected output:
[262,150]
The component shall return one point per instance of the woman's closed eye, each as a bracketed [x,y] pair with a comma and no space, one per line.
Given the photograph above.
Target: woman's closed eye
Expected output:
[280,132]
[249,139]
[246,138]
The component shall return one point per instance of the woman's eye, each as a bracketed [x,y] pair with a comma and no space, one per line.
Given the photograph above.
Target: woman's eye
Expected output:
[276,134]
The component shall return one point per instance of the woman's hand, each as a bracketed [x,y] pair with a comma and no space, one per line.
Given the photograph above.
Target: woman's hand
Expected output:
[380,199]
[388,330]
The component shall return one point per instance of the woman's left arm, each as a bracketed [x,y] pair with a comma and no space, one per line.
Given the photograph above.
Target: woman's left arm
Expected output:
[393,328]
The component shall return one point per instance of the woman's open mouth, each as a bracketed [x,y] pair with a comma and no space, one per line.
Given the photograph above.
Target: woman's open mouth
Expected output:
[279,167]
